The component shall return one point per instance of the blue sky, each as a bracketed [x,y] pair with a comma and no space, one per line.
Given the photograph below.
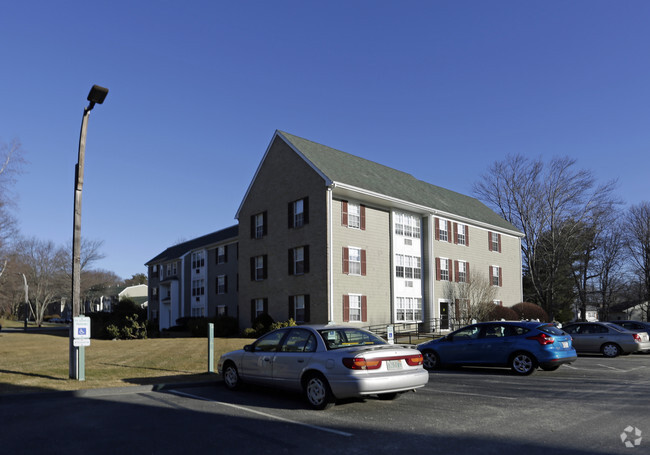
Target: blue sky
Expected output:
[438,89]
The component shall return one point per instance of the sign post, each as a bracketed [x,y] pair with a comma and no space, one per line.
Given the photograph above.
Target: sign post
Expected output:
[81,339]
[390,334]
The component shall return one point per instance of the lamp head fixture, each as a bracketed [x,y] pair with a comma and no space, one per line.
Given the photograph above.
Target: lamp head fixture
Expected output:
[97,95]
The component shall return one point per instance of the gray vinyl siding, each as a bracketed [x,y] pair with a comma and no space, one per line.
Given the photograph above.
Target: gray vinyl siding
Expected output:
[376,284]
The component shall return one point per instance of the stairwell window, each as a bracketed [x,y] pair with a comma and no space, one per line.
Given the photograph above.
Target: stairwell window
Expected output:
[198,260]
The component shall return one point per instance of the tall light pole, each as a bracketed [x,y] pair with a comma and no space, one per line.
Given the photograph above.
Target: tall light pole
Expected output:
[26,288]
[96,96]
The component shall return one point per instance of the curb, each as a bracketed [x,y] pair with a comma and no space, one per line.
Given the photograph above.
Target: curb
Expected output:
[90,393]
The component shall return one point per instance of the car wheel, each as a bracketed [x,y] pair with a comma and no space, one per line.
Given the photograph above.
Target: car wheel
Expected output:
[610,350]
[550,367]
[231,376]
[318,393]
[388,396]
[523,363]
[431,360]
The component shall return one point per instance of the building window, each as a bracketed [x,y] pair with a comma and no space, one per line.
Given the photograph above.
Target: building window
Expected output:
[198,287]
[408,267]
[496,275]
[259,225]
[298,213]
[354,261]
[462,273]
[222,255]
[409,309]
[197,312]
[443,231]
[494,241]
[299,308]
[353,215]
[259,268]
[198,260]
[461,234]
[407,225]
[498,302]
[299,260]
[443,273]
[355,308]
[258,308]
[222,284]
[222,310]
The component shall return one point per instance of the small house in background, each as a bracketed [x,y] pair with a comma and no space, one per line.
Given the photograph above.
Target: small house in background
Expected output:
[630,311]
[104,302]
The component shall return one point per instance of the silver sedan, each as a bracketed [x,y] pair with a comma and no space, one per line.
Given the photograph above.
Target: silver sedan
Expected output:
[609,339]
[325,363]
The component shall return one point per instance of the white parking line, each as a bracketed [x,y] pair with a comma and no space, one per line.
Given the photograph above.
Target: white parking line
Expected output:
[270,416]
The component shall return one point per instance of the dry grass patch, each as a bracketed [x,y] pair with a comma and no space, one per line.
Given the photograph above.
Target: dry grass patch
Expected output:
[37,362]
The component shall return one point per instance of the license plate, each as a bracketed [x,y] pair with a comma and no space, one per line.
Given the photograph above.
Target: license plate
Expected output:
[393,364]
[565,344]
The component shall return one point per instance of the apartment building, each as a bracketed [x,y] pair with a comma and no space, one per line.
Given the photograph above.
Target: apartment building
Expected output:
[195,278]
[328,236]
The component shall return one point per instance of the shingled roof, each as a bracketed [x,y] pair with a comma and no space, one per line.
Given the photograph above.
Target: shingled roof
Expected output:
[342,167]
[177,251]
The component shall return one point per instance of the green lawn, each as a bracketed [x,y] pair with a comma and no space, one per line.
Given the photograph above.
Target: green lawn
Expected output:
[38,362]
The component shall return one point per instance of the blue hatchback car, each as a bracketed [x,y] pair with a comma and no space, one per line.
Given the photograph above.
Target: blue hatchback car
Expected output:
[521,345]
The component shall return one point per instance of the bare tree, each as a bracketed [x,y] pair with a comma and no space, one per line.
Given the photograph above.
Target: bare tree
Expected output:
[638,242]
[549,204]
[473,299]
[44,266]
[11,161]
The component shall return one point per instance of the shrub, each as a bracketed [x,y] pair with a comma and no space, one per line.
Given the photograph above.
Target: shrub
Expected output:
[262,324]
[499,312]
[527,310]
[225,326]
[122,322]
[249,333]
[280,324]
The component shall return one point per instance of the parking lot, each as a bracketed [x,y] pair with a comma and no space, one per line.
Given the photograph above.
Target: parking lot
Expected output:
[582,408]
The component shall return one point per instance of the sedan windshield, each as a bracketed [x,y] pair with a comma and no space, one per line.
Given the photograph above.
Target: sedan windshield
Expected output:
[345,337]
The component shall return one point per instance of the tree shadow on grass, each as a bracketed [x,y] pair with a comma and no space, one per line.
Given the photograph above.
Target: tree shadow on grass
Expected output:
[173,379]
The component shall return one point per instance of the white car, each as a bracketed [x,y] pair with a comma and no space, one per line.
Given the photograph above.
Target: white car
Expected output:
[326,363]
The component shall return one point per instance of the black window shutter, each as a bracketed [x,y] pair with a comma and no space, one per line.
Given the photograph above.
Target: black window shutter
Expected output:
[252,269]
[265,223]
[252,226]
[290,219]
[252,311]
[225,283]
[292,307]
[266,306]
[305,209]
[290,261]
[306,256]
[265,266]
[307,314]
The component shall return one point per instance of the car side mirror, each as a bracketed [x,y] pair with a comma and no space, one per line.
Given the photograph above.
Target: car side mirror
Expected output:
[449,338]
[248,348]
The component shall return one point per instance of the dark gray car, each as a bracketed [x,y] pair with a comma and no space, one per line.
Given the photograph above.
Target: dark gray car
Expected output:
[609,339]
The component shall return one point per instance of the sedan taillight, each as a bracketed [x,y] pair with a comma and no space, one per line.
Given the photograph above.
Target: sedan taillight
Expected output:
[637,338]
[360,363]
[414,360]
[542,338]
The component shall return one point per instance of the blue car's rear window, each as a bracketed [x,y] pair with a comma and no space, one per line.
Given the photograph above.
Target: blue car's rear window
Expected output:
[550,329]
